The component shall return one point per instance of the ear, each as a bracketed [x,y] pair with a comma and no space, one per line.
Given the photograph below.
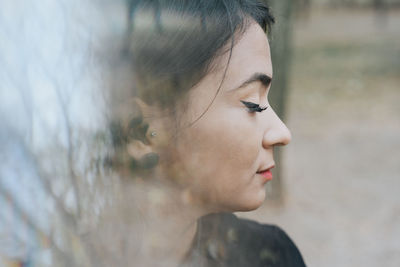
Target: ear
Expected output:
[159,125]
[144,142]
[146,133]
[137,148]
[138,126]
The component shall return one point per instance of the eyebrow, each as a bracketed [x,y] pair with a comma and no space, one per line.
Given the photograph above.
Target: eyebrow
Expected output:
[257,77]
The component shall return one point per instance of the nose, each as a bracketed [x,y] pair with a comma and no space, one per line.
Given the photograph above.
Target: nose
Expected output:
[276,132]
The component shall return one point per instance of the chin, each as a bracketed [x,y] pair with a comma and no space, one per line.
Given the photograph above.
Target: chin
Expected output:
[253,202]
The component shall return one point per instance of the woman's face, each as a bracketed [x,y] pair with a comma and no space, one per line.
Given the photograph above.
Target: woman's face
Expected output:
[222,153]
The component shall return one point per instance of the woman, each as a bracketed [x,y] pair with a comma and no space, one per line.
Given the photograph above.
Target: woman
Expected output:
[194,133]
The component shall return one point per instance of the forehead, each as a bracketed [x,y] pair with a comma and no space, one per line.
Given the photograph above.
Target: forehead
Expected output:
[251,54]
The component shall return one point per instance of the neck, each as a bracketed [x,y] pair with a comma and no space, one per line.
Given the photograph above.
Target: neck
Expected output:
[170,218]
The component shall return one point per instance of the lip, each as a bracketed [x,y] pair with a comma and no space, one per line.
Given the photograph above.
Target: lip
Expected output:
[266,169]
[266,173]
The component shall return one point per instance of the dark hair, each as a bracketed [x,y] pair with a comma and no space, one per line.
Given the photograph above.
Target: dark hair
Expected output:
[171,43]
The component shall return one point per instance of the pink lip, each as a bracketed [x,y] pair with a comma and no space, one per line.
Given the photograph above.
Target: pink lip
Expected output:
[266,174]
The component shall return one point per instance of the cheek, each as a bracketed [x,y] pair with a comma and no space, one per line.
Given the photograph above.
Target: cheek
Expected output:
[219,152]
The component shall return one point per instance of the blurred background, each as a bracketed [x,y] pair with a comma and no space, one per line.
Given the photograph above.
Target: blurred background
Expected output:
[336,84]
[340,188]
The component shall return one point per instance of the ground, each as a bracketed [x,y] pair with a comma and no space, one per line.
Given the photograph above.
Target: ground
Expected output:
[342,169]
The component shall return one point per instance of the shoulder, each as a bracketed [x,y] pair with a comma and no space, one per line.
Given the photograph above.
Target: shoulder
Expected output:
[241,242]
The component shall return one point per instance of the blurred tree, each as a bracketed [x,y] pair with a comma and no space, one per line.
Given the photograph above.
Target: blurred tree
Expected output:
[380,8]
[281,47]
[303,9]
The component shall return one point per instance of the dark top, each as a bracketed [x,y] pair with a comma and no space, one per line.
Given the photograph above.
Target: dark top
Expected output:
[224,240]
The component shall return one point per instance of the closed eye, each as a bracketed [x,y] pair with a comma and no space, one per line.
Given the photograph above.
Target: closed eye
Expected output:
[253,107]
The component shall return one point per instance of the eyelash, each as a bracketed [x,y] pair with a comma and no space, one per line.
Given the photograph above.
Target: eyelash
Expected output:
[253,107]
